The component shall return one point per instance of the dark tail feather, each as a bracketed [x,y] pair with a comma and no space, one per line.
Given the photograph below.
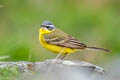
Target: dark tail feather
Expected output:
[99,49]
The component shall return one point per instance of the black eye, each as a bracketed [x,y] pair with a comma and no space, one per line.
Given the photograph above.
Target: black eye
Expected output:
[47,27]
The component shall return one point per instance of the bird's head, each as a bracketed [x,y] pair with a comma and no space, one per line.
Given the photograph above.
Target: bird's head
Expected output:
[47,27]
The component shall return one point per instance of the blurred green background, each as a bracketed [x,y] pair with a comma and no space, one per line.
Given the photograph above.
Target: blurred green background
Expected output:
[93,22]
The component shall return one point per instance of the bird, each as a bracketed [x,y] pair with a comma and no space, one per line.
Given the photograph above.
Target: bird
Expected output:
[58,41]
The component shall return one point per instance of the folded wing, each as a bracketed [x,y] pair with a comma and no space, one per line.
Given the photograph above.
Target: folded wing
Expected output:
[68,42]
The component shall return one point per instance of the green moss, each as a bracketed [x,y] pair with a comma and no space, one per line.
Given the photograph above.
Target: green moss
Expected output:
[9,73]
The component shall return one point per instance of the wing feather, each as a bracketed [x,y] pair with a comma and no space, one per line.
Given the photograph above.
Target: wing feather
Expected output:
[68,41]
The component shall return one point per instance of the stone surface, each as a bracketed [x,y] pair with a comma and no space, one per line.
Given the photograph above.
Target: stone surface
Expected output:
[56,70]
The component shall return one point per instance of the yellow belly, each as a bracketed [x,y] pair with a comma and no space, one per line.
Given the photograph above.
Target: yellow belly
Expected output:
[58,49]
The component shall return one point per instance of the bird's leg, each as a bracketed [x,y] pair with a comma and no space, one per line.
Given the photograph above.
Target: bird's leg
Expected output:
[60,54]
[52,64]
[57,57]
[63,56]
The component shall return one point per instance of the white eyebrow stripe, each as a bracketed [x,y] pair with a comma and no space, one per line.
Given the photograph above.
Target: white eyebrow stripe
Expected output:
[50,25]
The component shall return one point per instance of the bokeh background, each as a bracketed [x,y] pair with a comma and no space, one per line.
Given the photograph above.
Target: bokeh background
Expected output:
[93,22]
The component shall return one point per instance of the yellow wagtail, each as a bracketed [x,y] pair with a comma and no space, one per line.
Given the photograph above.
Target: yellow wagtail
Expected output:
[58,41]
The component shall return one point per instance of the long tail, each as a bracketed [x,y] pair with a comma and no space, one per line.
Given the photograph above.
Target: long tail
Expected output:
[99,49]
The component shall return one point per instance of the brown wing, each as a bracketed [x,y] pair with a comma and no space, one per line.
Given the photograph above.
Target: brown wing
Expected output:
[68,41]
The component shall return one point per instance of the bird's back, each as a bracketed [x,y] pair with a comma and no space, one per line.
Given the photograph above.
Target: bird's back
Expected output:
[57,33]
